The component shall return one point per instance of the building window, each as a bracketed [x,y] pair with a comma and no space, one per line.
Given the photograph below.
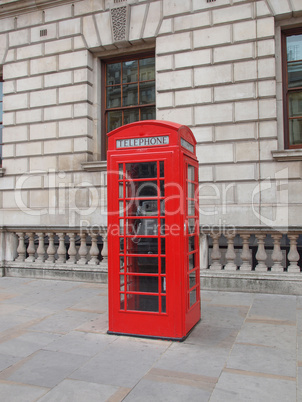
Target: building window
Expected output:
[292,87]
[1,117]
[129,90]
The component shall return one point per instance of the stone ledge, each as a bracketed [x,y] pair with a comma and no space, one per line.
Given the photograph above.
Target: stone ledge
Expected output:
[94,166]
[288,155]
[253,282]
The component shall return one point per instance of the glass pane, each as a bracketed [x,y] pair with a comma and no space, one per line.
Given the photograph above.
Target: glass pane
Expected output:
[147,208]
[143,170]
[147,189]
[120,190]
[192,279]
[130,93]
[120,169]
[142,303]
[162,225]
[162,169]
[294,47]
[148,113]
[192,297]
[294,71]
[191,261]
[163,304]
[142,265]
[146,93]
[130,116]
[147,69]
[191,227]
[163,285]
[121,208]
[191,243]
[141,283]
[191,190]
[191,173]
[191,207]
[295,131]
[163,246]
[113,74]
[130,71]
[142,245]
[163,265]
[122,282]
[295,104]
[122,301]
[162,188]
[113,98]
[1,90]
[114,120]
[145,227]
[121,226]
[121,245]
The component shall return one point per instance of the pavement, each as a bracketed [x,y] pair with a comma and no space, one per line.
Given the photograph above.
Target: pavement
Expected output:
[54,347]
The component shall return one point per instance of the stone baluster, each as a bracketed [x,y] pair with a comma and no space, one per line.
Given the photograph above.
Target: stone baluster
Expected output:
[215,255]
[277,254]
[83,250]
[246,254]
[261,254]
[293,255]
[230,254]
[51,250]
[21,249]
[105,249]
[61,249]
[94,250]
[41,249]
[31,248]
[72,251]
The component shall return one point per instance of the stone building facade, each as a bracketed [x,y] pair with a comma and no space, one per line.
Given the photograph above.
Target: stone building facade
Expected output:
[220,68]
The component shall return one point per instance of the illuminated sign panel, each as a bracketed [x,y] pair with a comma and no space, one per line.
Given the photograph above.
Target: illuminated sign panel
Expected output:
[143,142]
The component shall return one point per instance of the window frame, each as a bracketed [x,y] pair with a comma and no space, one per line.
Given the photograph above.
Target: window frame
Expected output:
[104,109]
[286,90]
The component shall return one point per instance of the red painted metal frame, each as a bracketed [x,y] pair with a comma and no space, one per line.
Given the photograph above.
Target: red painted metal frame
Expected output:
[178,317]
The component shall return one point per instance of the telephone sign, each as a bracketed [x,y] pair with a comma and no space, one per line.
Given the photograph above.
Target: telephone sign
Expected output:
[153,230]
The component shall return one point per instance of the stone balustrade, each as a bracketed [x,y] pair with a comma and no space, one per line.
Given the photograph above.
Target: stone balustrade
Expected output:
[253,251]
[70,253]
[250,258]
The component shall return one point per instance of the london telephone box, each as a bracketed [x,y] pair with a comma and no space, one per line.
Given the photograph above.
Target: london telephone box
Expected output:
[153,242]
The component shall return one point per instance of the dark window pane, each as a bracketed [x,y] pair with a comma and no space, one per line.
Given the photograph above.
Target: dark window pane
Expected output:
[148,113]
[142,302]
[142,264]
[140,283]
[146,93]
[192,297]
[191,243]
[143,170]
[121,245]
[130,97]
[113,97]
[294,47]
[295,131]
[130,71]
[163,304]
[163,265]
[114,120]
[192,279]
[191,173]
[295,104]
[130,116]
[113,76]
[191,261]
[147,69]
[294,74]
[142,245]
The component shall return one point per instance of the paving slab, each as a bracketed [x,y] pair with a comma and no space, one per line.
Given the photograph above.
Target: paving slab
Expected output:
[54,346]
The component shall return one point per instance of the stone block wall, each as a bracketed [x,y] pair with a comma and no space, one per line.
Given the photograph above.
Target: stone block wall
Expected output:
[217,69]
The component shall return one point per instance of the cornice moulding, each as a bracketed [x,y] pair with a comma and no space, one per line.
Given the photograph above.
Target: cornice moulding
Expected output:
[15,7]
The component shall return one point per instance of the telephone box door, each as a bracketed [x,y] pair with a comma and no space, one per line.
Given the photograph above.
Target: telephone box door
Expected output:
[142,281]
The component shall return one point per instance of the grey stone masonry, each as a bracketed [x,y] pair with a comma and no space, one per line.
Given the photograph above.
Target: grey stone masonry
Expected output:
[218,70]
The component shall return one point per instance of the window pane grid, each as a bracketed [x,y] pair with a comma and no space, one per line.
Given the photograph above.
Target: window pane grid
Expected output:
[129,92]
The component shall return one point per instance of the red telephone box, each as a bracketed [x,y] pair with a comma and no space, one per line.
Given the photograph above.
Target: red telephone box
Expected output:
[153,230]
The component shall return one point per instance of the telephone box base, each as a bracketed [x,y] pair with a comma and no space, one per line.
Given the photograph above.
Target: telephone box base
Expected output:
[162,338]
